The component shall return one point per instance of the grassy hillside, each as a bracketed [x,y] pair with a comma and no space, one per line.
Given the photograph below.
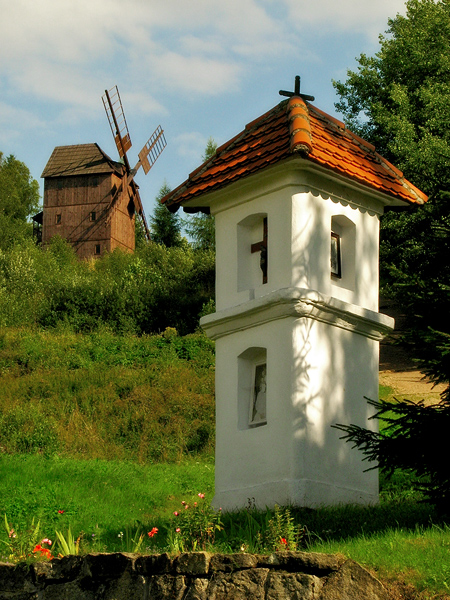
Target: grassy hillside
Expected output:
[101,395]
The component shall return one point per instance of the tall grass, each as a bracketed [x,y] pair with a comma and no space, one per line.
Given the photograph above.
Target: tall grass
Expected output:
[100,395]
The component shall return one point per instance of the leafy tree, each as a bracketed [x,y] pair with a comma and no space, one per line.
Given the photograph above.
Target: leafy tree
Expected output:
[200,227]
[19,199]
[140,238]
[165,226]
[399,100]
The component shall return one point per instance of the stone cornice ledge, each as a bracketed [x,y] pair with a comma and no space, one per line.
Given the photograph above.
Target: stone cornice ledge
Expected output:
[297,303]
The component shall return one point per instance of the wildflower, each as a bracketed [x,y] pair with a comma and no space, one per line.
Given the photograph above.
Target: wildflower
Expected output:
[283,541]
[178,530]
[61,512]
[201,496]
[46,541]
[183,502]
[153,532]
[195,503]
[45,552]
[12,534]
[120,535]
[176,513]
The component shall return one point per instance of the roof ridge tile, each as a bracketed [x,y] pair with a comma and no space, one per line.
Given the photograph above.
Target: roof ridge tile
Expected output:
[299,126]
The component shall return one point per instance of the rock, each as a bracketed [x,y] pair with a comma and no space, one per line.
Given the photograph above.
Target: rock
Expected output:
[167,587]
[314,563]
[197,590]
[153,564]
[292,586]
[352,582]
[191,576]
[194,563]
[232,562]
[15,578]
[240,585]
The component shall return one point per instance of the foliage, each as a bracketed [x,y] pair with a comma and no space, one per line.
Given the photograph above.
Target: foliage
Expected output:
[200,227]
[145,292]
[210,150]
[194,526]
[399,98]
[148,398]
[165,226]
[23,545]
[67,544]
[412,439]
[140,236]
[19,198]
[282,533]
[399,538]
[417,279]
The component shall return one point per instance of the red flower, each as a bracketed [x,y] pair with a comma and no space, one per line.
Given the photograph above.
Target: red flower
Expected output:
[61,512]
[153,532]
[45,552]
[284,541]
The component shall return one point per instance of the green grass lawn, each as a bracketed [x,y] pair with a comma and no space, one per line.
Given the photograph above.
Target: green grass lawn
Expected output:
[400,538]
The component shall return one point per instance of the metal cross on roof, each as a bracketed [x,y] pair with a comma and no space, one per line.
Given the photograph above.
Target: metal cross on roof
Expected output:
[296,91]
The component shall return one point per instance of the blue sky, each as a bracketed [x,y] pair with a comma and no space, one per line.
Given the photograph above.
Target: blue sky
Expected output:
[200,69]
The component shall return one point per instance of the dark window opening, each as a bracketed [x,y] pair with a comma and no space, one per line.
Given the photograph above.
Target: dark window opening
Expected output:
[261,247]
[336,255]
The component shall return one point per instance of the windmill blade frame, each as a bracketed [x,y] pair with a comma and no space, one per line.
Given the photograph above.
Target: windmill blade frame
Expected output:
[147,156]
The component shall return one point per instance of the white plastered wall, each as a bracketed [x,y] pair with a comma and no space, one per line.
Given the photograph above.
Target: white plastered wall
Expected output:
[318,373]
[299,231]
[314,380]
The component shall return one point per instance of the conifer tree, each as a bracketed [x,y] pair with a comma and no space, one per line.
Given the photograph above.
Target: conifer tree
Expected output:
[165,226]
[200,227]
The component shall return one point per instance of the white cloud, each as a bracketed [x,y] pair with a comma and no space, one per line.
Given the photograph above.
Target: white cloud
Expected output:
[190,145]
[64,53]
[197,74]
[16,124]
[367,17]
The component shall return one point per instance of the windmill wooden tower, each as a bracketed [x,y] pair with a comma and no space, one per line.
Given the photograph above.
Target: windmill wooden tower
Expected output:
[92,200]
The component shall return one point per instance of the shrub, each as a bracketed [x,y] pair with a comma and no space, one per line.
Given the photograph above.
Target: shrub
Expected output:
[414,439]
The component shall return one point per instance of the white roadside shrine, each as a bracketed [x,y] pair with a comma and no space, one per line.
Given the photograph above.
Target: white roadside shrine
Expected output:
[296,199]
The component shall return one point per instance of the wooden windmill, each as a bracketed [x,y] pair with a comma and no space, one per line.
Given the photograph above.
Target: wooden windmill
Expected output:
[147,156]
[90,199]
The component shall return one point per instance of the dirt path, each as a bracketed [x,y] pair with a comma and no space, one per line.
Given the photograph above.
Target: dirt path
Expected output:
[399,372]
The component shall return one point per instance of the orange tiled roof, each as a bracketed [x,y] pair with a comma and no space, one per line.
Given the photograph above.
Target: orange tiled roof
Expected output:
[295,127]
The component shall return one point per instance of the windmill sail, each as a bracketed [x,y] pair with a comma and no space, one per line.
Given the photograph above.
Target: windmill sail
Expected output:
[147,156]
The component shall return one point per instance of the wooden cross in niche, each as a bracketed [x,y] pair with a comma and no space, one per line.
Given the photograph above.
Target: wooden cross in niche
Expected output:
[262,248]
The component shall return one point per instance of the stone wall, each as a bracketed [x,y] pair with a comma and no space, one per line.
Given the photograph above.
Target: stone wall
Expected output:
[193,576]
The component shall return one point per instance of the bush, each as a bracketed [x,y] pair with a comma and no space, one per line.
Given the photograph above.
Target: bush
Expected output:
[413,439]
[145,292]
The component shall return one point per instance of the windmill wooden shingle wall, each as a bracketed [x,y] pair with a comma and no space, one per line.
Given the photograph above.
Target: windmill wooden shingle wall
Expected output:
[84,202]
